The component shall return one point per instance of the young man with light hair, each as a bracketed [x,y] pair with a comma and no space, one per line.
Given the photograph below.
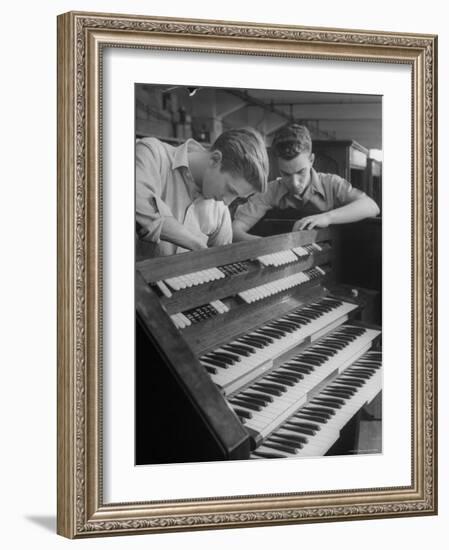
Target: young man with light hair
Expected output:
[321,199]
[183,193]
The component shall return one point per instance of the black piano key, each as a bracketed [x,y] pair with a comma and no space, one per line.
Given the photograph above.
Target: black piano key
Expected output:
[301,320]
[337,393]
[263,338]
[290,322]
[295,319]
[329,351]
[284,375]
[298,367]
[354,381]
[366,371]
[303,427]
[370,364]
[311,360]
[270,390]
[334,344]
[359,375]
[310,315]
[221,356]
[306,415]
[321,308]
[331,402]
[232,356]
[239,350]
[317,353]
[315,409]
[258,399]
[304,312]
[246,403]
[292,446]
[242,413]
[271,332]
[279,447]
[296,439]
[215,362]
[350,329]
[266,454]
[210,369]
[293,374]
[347,384]
[282,326]
[279,378]
[318,356]
[253,342]
[272,385]
[327,345]
[259,404]
[263,399]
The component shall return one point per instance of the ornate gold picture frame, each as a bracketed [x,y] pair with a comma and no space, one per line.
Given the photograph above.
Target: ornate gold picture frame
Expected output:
[82,41]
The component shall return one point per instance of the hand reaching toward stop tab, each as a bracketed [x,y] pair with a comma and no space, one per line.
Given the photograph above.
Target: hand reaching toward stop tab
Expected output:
[311,222]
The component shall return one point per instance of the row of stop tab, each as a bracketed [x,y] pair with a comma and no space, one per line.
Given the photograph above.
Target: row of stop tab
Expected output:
[195,278]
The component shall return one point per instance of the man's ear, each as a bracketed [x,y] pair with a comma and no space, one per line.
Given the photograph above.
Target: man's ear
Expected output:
[216,158]
[312,158]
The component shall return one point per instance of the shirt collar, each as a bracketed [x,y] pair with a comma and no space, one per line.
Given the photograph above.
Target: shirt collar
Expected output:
[315,187]
[180,160]
[180,156]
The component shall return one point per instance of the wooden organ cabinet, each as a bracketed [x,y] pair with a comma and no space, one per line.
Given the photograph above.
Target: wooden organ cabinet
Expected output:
[346,158]
[374,181]
[249,351]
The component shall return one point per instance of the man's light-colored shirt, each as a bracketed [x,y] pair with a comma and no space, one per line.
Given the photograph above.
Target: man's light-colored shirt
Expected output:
[165,188]
[324,192]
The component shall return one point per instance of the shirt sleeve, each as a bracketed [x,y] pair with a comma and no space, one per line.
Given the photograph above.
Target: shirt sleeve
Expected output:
[342,192]
[257,206]
[150,208]
[223,232]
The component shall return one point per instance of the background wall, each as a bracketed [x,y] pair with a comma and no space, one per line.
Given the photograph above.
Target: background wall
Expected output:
[28,272]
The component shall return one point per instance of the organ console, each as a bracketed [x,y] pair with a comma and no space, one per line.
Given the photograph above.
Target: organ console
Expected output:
[249,350]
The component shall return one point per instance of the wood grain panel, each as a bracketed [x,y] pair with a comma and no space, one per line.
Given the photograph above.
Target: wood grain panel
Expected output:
[183,300]
[157,269]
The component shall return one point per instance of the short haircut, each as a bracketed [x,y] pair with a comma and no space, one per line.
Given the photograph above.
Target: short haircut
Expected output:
[291,140]
[244,154]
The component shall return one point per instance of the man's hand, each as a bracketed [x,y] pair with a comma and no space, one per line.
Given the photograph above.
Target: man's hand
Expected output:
[174,232]
[197,242]
[310,222]
[240,232]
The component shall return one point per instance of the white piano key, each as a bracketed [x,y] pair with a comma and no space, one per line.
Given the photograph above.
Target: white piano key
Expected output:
[262,359]
[179,322]
[173,282]
[185,319]
[175,320]
[217,305]
[275,413]
[164,289]
[319,443]
[194,278]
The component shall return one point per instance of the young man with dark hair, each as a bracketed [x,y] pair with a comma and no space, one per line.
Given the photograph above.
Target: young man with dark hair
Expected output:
[182,192]
[322,199]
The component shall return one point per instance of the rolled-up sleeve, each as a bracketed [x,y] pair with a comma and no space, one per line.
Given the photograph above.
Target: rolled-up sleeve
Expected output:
[343,192]
[150,208]
[257,206]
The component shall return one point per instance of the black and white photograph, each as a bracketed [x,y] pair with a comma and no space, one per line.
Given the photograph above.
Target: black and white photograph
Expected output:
[258,255]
